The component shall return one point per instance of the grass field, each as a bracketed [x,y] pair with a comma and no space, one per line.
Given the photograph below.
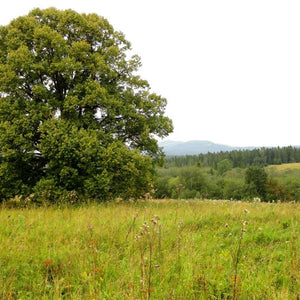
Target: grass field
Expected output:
[154,249]
[295,166]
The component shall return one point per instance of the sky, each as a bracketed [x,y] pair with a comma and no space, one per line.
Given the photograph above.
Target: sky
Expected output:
[230,70]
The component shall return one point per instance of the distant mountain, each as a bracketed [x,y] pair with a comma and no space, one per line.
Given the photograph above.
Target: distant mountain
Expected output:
[172,148]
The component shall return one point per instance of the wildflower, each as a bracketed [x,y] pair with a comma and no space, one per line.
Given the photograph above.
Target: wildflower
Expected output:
[226,225]
[47,262]
[154,221]
[145,226]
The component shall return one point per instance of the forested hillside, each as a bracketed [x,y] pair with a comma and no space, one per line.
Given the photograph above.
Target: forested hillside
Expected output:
[258,173]
[239,158]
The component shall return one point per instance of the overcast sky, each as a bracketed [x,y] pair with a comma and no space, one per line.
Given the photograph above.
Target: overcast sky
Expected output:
[230,69]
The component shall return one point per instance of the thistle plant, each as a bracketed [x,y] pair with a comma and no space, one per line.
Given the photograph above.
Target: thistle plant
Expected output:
[179,238]
[148,239]
[237,258]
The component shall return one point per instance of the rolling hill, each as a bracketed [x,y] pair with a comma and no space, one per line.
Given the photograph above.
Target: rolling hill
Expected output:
[174,148]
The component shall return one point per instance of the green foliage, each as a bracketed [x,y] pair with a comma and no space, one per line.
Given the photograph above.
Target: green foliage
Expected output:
[288,178]
[268,184]
[233,189]
[223,166]
[193,179]
[73,114]
[223,175]
[256,179]
[277,190]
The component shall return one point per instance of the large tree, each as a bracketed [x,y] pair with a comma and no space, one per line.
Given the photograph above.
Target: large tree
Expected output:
[74,115]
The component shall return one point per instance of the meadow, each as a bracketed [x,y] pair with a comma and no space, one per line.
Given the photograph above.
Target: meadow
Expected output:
[155,249]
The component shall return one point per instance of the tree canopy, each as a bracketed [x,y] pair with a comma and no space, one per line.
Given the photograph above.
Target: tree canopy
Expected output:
[256,179]
[74,114]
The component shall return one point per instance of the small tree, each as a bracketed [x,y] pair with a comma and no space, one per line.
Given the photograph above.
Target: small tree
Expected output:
[73,113]
[256,180]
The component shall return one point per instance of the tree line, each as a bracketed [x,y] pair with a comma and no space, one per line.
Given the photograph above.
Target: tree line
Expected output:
[239,158]
[231,175]
[194,182]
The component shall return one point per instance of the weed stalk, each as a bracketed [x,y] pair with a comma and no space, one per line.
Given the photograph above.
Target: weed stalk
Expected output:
[236,262]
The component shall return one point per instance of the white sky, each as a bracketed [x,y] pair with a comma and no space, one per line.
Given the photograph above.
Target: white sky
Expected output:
[230,69]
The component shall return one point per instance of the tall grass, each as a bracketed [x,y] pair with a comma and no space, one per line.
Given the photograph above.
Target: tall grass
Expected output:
[151,250]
